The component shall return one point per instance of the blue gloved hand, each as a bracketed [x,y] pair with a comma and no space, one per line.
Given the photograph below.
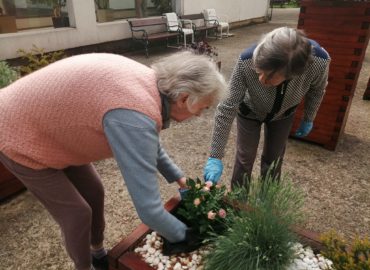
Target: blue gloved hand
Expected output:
[183,192]
[213,170]
[304,129]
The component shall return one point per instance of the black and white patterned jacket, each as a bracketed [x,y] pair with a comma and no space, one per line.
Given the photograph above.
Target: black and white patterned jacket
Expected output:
[248,97]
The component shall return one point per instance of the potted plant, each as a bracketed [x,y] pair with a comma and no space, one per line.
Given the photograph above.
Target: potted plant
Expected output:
[163,6]
[58,17]
[203,47]
[7,18]
[253,237]
[103,12]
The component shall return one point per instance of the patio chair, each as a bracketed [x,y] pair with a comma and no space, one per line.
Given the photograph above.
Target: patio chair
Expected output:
[175,25]
[211,17]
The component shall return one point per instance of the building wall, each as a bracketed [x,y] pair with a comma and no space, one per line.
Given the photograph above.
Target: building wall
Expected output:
[85,30]
[235,10]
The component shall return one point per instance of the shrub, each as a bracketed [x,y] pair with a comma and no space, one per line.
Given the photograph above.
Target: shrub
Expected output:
[203,48]
[356,257]
[37,58]
[203,206]
[261,237]
[7,74]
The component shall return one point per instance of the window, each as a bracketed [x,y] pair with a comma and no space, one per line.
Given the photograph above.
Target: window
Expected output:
[30,14]
[110,10]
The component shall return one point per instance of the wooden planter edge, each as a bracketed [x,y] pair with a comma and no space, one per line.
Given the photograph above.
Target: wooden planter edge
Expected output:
[123,258]
[123,247]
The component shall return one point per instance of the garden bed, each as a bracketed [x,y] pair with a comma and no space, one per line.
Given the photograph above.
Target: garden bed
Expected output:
[123,255]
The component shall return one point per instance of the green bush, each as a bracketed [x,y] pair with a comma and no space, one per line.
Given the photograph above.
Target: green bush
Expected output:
[261,237]
[203,206]
[37,58]
[7,74]
[356,257]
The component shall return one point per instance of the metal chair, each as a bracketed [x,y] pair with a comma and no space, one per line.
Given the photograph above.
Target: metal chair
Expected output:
[175,25]
[211,17]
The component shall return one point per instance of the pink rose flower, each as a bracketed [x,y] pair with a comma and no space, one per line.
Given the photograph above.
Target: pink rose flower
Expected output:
[211,215]
[196,201]
[206,189]
[222,213]
[209,184]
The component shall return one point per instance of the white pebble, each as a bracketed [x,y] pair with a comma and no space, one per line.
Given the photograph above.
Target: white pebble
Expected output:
[156,261]
[160,266]
[177,266]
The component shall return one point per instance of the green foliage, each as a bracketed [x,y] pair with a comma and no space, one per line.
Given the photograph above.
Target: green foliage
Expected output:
[163,5]
[203,48]
[55,4]
[7,74]
[102,4]
[203,207]
[286,4]
[260,238]
[37,58]
[357,257]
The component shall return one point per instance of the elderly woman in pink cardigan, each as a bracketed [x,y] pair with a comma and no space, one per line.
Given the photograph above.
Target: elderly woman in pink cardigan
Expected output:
[57,120]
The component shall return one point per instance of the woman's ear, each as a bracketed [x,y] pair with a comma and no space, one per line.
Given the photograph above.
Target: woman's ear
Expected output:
[182,100]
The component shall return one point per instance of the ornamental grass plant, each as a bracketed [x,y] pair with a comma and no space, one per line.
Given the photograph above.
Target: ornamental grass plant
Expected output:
[260,238]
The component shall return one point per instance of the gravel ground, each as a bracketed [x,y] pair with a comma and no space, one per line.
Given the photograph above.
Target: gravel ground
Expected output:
[336,184]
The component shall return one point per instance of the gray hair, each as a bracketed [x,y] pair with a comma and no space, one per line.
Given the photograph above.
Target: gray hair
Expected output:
[284,50]
[186,72]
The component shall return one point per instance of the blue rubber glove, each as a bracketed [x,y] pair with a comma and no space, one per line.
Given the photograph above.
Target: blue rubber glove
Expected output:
[304,129]
[213,170]
[183,192]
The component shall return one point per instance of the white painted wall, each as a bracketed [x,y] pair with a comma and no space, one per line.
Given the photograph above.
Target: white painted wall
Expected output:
[235,10]
[85,30]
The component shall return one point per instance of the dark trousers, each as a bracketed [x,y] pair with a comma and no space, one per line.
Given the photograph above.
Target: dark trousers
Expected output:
[75,198]
[248,135]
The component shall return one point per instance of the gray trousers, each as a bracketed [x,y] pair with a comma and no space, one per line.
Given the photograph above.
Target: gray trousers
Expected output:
[248,135]
[75,199]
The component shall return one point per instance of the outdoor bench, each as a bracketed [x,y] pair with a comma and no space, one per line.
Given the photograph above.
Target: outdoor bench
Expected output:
[199,23]
[146,30]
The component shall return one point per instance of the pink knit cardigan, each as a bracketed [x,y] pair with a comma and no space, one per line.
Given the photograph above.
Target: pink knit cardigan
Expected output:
[52,118]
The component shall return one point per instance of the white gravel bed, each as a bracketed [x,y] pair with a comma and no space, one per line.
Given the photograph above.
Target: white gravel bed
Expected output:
[151,247]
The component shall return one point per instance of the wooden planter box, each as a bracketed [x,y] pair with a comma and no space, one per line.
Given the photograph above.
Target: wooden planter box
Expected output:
[7,24]
[367,91]
[343,29]
[9,184]
[123,257]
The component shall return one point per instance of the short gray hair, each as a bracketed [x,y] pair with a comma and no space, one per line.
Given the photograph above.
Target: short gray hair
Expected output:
[284,50]
[186,72]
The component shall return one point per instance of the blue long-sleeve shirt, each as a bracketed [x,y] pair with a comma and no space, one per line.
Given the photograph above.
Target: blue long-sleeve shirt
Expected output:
[134,140]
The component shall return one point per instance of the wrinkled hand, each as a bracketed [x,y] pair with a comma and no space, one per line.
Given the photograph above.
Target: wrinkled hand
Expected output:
[191,243]
[304,129]
[182,182]
[213,170]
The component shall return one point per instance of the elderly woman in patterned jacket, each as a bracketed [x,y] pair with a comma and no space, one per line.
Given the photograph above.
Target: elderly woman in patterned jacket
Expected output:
[59,119]
[269,80]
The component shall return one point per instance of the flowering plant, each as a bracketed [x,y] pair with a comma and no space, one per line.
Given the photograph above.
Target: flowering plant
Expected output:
[203,207]
[203,47]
